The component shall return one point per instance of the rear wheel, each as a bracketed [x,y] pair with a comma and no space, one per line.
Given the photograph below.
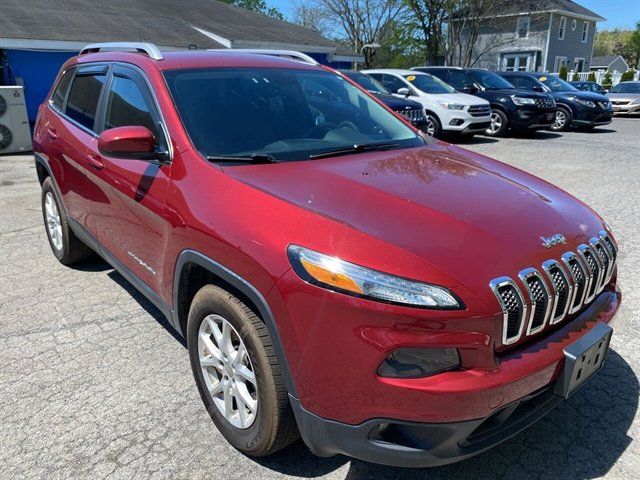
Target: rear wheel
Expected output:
[563,120]
[66,247]
[237,373]
[498,126]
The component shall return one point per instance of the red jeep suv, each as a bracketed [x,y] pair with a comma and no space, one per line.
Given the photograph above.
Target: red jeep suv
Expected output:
[336,275]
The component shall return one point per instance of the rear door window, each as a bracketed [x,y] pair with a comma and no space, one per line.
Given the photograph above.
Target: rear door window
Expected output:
[82,105]
[60,93]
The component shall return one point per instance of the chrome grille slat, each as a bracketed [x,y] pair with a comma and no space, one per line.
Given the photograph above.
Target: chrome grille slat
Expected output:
[612,251]
[600,251]
[514,308]
[541,299]
[578,277]
[594,265]
[562,290]
[479,110]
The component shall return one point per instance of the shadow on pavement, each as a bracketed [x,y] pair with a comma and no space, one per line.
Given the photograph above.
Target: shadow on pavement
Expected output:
[475,140]
[537,135]
[581,439]
[596,130]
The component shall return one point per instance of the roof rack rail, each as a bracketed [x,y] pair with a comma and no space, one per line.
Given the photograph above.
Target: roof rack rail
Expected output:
[291,54]
[151,50]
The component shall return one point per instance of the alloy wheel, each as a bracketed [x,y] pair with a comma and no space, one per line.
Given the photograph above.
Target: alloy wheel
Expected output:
[495,125]
[560,121]
[227,371]
[53,221]
[431,126]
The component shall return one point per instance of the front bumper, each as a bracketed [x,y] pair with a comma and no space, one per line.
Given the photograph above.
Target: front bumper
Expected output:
[629,108]
[588,117]
[460,121]
[525,119]
[401,442]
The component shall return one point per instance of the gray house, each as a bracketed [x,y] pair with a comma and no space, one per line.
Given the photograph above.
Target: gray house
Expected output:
[537,36]
[609,62]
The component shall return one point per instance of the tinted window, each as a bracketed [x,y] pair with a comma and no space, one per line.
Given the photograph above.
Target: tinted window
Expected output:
[429,84]
[288,114]
[626,87]
[521,82]
[126,105]
[83,98]
[556,84]
[459,80]
[366,82]
[61,89]
[392,83]
[491,81]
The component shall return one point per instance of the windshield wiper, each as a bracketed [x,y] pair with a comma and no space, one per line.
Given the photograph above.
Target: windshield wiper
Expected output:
[357,148]
[255,158]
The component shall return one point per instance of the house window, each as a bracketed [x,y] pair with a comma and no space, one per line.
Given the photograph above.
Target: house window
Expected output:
[585,32]
[522,29]
[559,63]
[574,25]
[562,28]
[578,64]
[517,62]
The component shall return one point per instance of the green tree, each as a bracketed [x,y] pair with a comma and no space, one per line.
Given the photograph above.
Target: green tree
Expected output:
[627,76]
[258,6]
[634,48]
[591,77]
[607,80]
[563,72]
[429,16]
[575,77]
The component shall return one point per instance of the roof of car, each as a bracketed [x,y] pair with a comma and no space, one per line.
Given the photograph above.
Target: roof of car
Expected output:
[198,59]
[396,71]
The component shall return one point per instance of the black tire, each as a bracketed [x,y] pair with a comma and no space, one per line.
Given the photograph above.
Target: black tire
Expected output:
[500,131]
[274,426]
[73,249]
[566,123]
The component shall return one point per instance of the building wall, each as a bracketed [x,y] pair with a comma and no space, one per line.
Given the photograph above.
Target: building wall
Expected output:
[36,71]
[572,46]
[618,65]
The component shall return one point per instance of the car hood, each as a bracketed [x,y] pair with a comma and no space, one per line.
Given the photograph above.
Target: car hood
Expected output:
[469,216]
[623,96]
[594,97]
[463,98]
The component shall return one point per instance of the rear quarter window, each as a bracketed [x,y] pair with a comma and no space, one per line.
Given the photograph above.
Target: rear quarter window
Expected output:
[83,98]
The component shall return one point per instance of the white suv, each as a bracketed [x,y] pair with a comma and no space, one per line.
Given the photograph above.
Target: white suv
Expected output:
[447,110]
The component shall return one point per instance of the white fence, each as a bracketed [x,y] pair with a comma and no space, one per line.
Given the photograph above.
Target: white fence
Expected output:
[584,76]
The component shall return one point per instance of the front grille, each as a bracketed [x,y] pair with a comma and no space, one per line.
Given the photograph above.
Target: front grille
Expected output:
[414,115]
[562,289]
[545,102]
[621,102]
[479,110]
[604,105]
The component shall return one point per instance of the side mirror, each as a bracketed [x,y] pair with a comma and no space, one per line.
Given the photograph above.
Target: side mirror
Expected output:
[538,88]
[404,91]
[469,89]
[133,142]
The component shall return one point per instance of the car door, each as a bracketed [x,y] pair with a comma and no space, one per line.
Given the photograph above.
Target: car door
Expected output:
[131,220]
[69,130]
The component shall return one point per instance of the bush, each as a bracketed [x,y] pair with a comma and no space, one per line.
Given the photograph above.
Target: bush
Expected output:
[627,76]
[563,72]
[607,81]
[575,77]
[591,77]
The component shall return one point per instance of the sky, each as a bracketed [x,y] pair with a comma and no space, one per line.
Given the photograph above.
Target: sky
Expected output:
[621,14]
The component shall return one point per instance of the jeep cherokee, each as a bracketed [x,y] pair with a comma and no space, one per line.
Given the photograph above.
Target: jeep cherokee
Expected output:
[336,274]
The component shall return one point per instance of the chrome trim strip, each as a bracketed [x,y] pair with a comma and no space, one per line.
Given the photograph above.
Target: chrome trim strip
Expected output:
[594,242]
[495,285]
[524,275]
[547,266]
[582,251]
[613,255]
[567,258]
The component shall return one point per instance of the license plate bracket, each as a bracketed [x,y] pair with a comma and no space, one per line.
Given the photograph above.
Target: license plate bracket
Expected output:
[583,359]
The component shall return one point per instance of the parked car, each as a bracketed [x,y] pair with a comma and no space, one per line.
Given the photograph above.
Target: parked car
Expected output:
[585,110]
[413,111]
[625,97]
[589,87]
[335,274]
[448,112]
[513,110]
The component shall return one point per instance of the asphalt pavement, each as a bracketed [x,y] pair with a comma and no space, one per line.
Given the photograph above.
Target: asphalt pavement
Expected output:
[94,384]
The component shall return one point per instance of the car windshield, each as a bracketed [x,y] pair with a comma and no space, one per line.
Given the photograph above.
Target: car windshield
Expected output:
[556,84]
[285,114]
[428,83]
[631,87]
[492,81]
[367,82]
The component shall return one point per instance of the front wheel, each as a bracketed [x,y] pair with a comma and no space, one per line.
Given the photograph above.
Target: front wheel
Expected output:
[498,126]
[563,120]
[432,127]
[237,373]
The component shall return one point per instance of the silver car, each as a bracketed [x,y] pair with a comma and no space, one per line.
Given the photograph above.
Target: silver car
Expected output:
[625,97]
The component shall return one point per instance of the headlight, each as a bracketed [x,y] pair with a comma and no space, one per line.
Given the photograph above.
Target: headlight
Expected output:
[335,274]
[451,106]
[636,101]
[523,100]
[586,103]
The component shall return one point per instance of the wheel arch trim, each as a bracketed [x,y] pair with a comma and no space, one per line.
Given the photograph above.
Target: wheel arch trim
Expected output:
[247,289]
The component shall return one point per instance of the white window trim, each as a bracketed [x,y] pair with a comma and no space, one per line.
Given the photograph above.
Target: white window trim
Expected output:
[562,28]
[575,63]
[574,25]
[556,64]
[585,32]
[519,22]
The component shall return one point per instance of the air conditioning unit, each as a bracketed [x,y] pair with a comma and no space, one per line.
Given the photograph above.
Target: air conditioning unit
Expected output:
[15,135]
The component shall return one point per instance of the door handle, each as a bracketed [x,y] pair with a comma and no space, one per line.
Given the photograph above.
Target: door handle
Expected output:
[95,161]
[51,132]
